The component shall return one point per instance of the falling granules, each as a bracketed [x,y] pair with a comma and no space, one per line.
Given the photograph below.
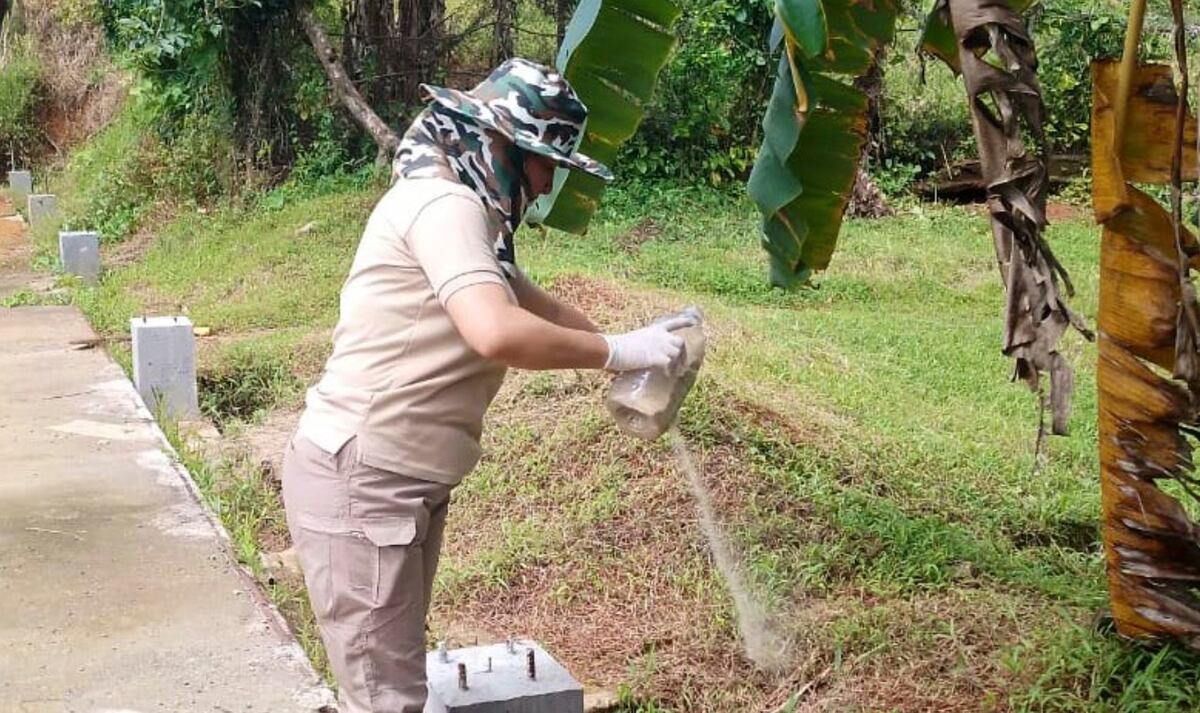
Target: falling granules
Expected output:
[764,646]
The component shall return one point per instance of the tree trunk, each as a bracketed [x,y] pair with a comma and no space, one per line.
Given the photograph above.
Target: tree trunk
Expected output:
[392,46]
[380,132]
[422,50]
[503,38]
[866,200]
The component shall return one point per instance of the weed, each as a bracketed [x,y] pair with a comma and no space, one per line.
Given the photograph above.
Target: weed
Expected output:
[244,384]
[34,298]
[1089,671]
[20,92]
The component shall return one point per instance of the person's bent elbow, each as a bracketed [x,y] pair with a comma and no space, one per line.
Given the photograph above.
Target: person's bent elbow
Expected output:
[492,344]
[478,312]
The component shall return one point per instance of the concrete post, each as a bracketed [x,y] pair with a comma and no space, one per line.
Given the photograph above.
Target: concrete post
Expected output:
[20,184]
[500,679]
[164,364]
[80,254]
[43,208]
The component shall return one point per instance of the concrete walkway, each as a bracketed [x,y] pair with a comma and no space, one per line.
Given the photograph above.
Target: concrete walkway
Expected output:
[118,594]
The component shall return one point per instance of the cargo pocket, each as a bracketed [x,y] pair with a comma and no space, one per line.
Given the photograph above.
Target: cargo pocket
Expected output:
[356,563]
[399,570]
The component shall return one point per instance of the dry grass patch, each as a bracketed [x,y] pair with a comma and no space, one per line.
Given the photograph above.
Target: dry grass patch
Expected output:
[589,542]
[608,304]
[84,87]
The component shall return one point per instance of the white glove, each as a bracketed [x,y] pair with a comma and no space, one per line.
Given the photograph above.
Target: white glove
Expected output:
[652,346]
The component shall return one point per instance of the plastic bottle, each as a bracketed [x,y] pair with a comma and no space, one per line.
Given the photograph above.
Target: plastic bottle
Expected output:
[645,403]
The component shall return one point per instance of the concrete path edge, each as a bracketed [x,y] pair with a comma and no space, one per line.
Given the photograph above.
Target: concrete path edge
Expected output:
[322,695]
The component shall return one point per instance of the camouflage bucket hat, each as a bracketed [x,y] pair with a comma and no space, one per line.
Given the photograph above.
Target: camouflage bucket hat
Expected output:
[533,106]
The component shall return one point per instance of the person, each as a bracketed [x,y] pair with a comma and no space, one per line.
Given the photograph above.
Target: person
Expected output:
[433,312]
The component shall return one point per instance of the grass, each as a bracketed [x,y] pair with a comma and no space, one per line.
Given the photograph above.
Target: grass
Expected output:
[862,441]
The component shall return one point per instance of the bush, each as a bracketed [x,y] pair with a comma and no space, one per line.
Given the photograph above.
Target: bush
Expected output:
[1069,37]
[704,122]
[926,124]
[132,166]
[20,91]
[924,117]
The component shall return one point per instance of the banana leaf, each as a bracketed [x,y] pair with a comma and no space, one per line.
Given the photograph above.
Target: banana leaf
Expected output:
[1148,378]
[815,128]
[612,54]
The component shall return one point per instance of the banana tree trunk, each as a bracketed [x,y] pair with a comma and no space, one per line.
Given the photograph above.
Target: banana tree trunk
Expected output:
[1147,376]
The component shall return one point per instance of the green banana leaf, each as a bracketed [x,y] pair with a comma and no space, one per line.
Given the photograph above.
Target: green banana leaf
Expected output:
[612,54]
[937,37]
[814,130]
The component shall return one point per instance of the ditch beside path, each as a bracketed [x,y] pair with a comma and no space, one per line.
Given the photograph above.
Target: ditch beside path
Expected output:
[119,592]
[15,252]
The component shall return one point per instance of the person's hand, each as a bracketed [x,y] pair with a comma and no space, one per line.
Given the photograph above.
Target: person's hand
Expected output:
[652,346]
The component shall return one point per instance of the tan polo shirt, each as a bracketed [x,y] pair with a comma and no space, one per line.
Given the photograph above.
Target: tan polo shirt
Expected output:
[401,378]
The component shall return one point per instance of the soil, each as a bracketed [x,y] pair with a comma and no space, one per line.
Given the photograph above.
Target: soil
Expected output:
[1063,212]
[267,440]
[644,232]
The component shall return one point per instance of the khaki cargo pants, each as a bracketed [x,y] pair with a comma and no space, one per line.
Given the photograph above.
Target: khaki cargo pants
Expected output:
[368,542]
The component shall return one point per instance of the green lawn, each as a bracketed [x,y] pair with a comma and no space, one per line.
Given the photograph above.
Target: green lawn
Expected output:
[862,440]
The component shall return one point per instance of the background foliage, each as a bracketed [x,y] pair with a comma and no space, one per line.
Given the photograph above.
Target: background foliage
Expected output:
[268,112]
[20,89]
[705,124]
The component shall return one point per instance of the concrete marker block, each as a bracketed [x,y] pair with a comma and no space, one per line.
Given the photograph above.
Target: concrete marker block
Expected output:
[20,183]
[495,679]
[43,208]
[164,364]
[80,254]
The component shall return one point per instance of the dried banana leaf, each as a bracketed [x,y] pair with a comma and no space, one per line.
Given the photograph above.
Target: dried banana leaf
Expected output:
[995,54]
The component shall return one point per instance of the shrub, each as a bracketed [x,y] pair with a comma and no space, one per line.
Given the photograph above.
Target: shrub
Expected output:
[20,90]
[924,117]
[115,181]
[704,122]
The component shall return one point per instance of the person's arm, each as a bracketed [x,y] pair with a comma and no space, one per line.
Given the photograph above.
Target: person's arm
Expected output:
[452,242]
[549,307]
[513,335]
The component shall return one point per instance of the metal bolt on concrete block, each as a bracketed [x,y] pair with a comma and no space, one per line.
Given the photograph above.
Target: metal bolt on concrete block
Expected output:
[43,208]
[20,183]
[80,254]
[164,364]
[501,681]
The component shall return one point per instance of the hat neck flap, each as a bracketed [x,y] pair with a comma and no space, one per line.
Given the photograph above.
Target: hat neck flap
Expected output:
[443,144]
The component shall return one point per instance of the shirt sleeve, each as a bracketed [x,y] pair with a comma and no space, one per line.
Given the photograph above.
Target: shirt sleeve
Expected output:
[454,244]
